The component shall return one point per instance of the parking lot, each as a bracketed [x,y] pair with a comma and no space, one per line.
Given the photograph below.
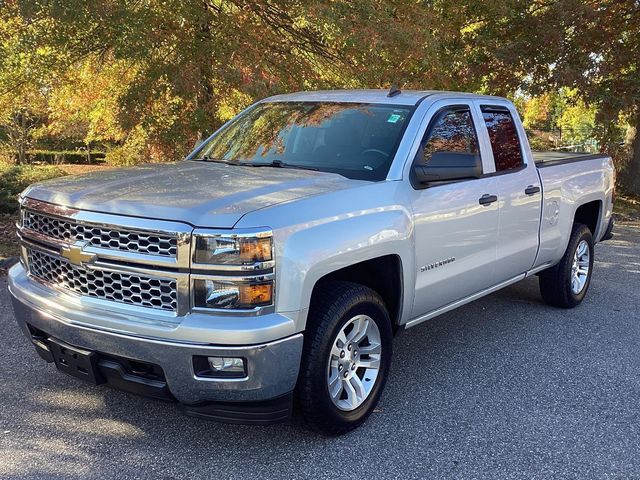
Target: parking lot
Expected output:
[505,387]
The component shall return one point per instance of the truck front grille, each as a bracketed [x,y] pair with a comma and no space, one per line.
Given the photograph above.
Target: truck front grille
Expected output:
[132,289]
[100,236]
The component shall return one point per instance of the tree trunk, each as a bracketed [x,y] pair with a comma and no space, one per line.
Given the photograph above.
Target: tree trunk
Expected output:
[631,178]
[22,145]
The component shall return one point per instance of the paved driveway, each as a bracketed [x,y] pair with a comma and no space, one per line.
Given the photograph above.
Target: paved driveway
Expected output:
[505,387]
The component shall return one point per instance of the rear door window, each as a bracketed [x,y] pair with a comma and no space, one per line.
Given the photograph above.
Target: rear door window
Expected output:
[503,135]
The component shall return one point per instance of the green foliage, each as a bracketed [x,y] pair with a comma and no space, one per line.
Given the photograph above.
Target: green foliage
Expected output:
[591,46]
[540,143]
[537,113]
[131,152]
[577,123]
[123,156]
[564,116]
[15,178]
[55,157]
[173,71]
[151,78]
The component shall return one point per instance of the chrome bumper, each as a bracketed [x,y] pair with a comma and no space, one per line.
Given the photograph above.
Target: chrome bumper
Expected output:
[272,366]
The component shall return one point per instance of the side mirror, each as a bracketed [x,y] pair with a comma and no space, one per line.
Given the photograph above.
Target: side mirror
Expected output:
[445,166]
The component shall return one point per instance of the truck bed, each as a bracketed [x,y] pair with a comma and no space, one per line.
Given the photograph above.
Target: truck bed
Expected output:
[575,179]
[547,159]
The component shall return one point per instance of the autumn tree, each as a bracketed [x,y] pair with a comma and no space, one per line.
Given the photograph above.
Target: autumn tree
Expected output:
[189,66]
[23,105]
[152,77]
[590,45]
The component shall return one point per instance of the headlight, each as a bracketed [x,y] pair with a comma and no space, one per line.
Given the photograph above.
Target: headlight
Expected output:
[233,271]
[233,249]
[231,294]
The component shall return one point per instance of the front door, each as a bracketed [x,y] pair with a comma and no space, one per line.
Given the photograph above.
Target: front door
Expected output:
[455,231]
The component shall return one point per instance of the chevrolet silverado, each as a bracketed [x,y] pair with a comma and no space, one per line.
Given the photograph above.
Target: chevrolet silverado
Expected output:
[273,266]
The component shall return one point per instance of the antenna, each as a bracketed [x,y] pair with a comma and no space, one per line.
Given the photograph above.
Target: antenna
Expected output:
[393,91]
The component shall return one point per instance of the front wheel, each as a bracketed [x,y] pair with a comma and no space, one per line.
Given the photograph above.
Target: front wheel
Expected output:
[346,357]
[566,284]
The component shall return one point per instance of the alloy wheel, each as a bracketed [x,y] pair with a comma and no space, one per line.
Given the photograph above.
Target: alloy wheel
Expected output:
[354,363]
[580,267]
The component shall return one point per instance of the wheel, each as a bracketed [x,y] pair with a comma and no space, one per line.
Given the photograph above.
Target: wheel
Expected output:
[566,284]
[346,357]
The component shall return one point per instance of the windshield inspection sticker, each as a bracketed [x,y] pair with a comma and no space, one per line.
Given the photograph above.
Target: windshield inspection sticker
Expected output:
[393,118]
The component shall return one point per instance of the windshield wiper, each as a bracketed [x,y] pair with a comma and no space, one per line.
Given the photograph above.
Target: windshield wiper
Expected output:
[281,164]
[207,158]
[275,163]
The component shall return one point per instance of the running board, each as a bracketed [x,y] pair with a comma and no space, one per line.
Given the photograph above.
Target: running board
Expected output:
[459,303]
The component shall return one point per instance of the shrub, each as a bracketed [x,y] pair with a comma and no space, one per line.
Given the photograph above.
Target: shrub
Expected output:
[56,157]
[6,157]
[122,157]
[15,178]
[131,152]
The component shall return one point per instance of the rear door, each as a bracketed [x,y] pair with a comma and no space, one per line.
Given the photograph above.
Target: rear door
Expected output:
[455,234]
[519,190]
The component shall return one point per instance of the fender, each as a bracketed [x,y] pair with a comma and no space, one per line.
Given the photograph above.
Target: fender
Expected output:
[321,234]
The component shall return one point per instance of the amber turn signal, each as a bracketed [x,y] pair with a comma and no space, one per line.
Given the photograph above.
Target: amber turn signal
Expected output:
[260,294]
[255,249]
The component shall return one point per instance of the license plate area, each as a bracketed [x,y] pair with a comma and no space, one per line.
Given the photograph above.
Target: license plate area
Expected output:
[75,361]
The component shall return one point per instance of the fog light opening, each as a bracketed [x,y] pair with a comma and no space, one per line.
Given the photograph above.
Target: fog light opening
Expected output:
[219,367]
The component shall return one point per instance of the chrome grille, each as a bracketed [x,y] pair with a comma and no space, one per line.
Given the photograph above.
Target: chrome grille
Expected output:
[102,237]
[132,289]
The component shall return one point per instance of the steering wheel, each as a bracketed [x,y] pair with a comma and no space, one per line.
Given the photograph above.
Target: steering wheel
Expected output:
[375,150]
[382,157]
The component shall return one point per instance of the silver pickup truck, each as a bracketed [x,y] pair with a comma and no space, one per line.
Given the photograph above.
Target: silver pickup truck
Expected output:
[274,265]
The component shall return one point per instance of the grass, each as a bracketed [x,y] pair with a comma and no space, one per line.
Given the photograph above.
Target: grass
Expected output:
[627,208]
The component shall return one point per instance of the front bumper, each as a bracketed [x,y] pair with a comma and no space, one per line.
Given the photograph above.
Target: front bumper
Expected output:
[272,367]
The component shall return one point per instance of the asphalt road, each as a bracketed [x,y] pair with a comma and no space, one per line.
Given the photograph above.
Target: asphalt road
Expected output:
[505,387]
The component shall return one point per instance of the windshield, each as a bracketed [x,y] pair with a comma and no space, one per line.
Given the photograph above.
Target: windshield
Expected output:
[354,140]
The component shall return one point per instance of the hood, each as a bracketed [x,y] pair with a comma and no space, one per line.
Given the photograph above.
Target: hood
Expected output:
[199,193]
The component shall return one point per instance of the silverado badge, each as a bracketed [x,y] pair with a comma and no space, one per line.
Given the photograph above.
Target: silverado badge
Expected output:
[440,263]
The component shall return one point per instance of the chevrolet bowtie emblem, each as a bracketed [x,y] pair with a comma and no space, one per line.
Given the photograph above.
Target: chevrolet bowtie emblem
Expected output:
[75,255]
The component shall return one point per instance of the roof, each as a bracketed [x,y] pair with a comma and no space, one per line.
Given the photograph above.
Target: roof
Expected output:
[406,97]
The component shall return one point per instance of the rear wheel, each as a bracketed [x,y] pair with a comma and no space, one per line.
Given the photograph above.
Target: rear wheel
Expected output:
[566,284]
[346,357]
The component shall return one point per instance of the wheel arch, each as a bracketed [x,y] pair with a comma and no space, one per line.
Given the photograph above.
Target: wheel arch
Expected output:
[382,274]
[589,214]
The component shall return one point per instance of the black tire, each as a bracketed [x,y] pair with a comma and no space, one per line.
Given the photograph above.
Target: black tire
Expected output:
[555,282]
[332,306]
